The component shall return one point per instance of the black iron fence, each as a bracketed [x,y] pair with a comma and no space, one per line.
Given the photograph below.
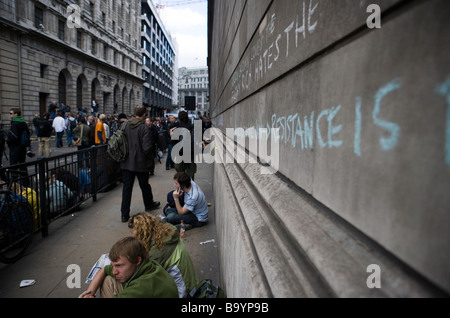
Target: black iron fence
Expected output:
[58,185]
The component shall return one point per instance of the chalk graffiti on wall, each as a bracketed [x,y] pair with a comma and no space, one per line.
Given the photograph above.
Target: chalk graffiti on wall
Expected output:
[272,47]
[444,90]
[307,131]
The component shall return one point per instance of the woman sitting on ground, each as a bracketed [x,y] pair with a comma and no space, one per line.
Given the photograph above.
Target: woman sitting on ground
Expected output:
[163,242]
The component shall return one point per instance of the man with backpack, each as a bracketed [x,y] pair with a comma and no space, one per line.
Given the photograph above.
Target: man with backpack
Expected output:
[136,164]
[71,124]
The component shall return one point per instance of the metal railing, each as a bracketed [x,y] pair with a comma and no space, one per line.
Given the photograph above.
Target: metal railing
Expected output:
[58,185]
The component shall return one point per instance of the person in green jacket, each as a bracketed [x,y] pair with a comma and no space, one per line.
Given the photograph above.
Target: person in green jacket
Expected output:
[164,245]
[131,275]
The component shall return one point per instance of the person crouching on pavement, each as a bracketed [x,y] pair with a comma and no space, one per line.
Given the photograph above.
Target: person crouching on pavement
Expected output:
[163,242]
[194,212]
[131,275]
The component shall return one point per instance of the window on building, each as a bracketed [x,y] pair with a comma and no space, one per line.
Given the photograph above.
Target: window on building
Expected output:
[44,70]
[93,47]
[105,52]
[61,27]
[38,17]
[79,39]
[92,9]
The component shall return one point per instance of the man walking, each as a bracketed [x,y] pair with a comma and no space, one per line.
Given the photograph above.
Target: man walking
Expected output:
[59,125]
[45,132]
[140,150]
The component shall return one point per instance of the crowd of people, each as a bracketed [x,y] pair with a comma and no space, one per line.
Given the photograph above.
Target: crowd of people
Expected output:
[154,261]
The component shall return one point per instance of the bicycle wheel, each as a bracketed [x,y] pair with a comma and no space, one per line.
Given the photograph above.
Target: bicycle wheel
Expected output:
[16,231]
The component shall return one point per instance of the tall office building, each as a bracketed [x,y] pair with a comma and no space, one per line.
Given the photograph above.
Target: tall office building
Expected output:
[194,82]
[72,52]
[158,62]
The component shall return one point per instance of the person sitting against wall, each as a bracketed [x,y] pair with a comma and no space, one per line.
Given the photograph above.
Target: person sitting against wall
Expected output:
[163,242]
[194,211]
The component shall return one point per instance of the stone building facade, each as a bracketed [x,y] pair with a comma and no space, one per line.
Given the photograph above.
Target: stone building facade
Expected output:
[194,82]
[72,52]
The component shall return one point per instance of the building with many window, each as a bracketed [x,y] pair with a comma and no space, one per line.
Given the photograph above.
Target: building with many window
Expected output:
[70,51]
[158,62]
[194,82]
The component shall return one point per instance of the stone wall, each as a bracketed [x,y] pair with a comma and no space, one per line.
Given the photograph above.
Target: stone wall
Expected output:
[360,116]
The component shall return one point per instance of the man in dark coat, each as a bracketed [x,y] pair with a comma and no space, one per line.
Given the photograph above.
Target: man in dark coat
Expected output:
[45,131]
[189,166]
[18,137]
[140,151]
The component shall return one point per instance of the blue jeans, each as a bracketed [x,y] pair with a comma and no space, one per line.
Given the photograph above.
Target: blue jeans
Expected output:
[171,201]
[70,135]
[174,218]
[59,139]
[169,161]
[83,158]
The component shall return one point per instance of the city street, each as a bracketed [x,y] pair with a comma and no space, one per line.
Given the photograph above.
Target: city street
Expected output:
[80,238]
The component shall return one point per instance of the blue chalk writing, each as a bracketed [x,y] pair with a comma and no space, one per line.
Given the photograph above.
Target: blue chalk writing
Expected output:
[394,129]
[444,89]
[325,112]
[332,130]
[309,131]
[358,123]
[325,125]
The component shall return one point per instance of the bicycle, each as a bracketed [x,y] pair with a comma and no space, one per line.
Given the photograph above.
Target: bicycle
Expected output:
[16,221]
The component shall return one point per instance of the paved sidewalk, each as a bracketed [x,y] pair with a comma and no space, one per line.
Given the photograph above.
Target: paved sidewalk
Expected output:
[80,239]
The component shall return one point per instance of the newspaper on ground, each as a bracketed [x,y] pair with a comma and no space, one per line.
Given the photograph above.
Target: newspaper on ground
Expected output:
[102,262]
[27,282]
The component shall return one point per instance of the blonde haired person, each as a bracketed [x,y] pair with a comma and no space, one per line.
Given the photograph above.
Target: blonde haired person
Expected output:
[163,242]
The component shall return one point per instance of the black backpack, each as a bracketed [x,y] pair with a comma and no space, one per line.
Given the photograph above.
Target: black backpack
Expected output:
[206,289]
[118,144]
[25,140]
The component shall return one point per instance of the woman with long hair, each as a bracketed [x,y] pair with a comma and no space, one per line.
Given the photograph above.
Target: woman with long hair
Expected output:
[164,245]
